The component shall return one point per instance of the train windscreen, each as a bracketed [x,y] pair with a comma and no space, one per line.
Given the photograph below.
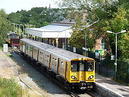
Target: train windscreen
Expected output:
[82,65]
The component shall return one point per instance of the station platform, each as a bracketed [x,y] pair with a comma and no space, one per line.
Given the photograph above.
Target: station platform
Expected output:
[107,87]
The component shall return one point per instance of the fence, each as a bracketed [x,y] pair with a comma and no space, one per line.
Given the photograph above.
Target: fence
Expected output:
[123,71]
[105,67]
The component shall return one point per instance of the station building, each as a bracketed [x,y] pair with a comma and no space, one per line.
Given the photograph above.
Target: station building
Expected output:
[56,34]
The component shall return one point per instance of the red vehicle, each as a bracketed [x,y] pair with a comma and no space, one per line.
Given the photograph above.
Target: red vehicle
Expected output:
[13,39]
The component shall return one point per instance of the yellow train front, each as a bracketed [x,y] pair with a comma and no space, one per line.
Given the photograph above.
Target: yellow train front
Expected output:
[82,73]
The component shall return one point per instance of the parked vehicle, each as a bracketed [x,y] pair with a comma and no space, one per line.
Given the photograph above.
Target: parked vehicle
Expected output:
[13,39]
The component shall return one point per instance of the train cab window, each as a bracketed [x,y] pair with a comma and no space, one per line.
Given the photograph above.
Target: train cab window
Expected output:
[89,66]
[82,66]
[75,66]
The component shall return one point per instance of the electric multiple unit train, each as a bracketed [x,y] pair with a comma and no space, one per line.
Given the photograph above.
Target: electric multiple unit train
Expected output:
[74,69]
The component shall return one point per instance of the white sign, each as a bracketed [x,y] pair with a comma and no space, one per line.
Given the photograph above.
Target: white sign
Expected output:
[86,49]
[112,57]
[74,49]
[5,47]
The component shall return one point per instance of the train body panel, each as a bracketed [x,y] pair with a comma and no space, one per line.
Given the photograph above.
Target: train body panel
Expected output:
[54,63]
[73,68]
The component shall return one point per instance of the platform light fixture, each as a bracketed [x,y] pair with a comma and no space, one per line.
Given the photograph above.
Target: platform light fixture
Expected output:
[122,31]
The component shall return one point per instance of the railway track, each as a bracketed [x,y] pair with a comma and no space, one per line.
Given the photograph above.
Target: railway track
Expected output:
[72,93]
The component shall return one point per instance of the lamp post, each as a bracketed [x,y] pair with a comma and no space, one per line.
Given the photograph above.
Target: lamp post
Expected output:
[116,34]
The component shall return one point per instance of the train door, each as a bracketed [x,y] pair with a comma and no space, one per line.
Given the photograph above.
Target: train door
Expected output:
[54,64]
[46,59]
[62,67]
[30,50]
[23,48]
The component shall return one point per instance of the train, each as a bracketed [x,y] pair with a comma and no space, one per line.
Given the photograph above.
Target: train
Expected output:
[75,70]
[13,39]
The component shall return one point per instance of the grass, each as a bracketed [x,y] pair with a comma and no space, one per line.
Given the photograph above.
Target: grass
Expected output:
[10,55]
[9,88]
[1,47]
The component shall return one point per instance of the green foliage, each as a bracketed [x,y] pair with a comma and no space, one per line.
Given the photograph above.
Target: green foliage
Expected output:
[38,16]
[124,46]
[4,26]
[119,22]
[9,88]
[123,71]
[15,17]
[77,39]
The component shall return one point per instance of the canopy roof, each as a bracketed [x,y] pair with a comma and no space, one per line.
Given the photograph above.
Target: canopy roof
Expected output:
[51,31]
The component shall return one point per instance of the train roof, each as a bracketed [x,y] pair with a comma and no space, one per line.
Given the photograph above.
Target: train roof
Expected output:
[64,54]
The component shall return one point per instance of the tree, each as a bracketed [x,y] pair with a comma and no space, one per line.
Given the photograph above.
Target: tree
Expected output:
[112,15]
[5,26]
[38,16]
[85,12]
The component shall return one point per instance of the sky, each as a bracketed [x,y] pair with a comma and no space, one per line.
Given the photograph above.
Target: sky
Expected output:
[15,5]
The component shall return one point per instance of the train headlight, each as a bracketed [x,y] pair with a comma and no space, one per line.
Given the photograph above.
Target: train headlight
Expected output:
[91,77]
[73,77]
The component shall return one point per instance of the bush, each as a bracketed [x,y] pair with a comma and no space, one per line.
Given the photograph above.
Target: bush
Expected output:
[9,88]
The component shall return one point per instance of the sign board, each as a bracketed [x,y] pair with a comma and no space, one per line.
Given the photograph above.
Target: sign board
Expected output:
[74,49]
[101,52]
[5,47]
[112,57]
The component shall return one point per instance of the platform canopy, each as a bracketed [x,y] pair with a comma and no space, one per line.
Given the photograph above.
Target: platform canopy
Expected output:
[51,31]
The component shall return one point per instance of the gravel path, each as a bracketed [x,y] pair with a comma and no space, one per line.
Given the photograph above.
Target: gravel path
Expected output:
[36,81]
